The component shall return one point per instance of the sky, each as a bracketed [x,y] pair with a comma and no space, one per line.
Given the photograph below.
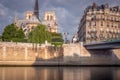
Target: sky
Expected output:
[68,12]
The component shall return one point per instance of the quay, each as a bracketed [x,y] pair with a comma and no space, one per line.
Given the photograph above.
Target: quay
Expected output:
[24,54]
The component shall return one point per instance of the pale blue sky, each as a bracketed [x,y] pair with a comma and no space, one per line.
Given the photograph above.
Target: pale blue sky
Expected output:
[69,12]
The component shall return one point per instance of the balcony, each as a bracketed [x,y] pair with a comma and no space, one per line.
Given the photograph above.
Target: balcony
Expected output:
[92,30]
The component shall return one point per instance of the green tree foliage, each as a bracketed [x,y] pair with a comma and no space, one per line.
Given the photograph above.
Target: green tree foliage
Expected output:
[57,39]
[12,33]
[39,35]
[57,35]
[0,38]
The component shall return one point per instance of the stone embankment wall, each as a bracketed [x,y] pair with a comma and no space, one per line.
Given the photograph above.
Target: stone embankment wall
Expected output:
[26,52]
[70,54]
[77,54]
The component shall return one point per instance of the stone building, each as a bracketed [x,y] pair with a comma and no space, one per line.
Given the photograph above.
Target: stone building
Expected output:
[27,24]
[50,21]
[99,23]
[32,19]
[75,38]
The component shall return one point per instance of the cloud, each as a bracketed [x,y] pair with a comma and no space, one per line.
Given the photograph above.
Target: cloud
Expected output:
[3,10]
[69,12]
[7,16]
[67,21]
[17,5]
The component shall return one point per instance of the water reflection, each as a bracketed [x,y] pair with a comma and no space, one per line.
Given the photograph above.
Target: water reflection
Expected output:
[59,73]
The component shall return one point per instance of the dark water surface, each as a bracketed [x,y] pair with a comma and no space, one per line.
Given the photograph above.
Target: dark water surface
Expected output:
[59,73]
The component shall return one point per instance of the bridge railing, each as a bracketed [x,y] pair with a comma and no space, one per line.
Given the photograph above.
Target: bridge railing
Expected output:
[103,41]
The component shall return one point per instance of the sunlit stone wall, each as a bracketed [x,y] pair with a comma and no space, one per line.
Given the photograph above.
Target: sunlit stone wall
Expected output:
[73,54]
[28,52]
[77,53]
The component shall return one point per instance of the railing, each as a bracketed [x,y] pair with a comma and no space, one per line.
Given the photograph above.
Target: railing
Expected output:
[101,41]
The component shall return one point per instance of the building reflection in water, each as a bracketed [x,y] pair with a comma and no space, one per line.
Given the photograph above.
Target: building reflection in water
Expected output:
[50,73]
[59,73]
[76,74]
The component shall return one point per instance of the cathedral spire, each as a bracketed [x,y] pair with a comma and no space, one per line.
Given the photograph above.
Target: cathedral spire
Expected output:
[36,9]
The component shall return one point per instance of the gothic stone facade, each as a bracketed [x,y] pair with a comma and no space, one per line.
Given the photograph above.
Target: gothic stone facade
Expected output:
[50,21]
[31,21]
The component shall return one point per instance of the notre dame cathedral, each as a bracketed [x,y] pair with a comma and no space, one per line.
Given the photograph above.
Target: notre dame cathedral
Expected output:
[32,19]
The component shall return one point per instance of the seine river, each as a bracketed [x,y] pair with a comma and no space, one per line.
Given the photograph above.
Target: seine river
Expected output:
[59,73]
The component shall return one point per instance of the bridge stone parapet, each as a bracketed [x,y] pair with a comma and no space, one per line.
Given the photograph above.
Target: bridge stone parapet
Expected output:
[103,45]
[77,53]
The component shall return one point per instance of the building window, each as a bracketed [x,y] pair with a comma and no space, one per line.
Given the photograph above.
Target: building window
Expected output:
[111,36]
[95,24]
[107,18]
[94,17]
[107,24]
[101,36]
[115,19]
[108,36]
[112,25]
[111,18]
[51,17]
[101,23]
[47,17]
[101,17]
[90,23]
[95,36]
[29,16]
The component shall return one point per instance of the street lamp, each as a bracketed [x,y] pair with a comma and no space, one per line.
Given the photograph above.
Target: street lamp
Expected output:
[66,34]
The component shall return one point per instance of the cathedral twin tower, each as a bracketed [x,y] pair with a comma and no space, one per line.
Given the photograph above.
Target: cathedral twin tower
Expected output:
[32,20]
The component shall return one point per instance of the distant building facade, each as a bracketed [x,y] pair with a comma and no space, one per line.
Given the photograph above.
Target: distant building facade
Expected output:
[27,24]
[32,19]
[50,21]
[75,38]
[99,23]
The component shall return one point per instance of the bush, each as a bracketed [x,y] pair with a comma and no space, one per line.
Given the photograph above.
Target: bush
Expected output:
[57,40]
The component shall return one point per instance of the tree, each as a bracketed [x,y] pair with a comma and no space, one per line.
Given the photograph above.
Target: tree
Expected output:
[39,35]
[0,38]
[12,33]
[19,36]
[8,33]
[57,39]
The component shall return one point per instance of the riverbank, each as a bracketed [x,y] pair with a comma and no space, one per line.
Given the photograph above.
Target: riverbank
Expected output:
[25,54]
[51,64]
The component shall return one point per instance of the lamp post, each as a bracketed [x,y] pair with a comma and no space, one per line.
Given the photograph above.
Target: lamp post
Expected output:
[66,34]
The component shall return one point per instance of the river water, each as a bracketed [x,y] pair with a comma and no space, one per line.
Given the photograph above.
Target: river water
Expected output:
[59,73]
